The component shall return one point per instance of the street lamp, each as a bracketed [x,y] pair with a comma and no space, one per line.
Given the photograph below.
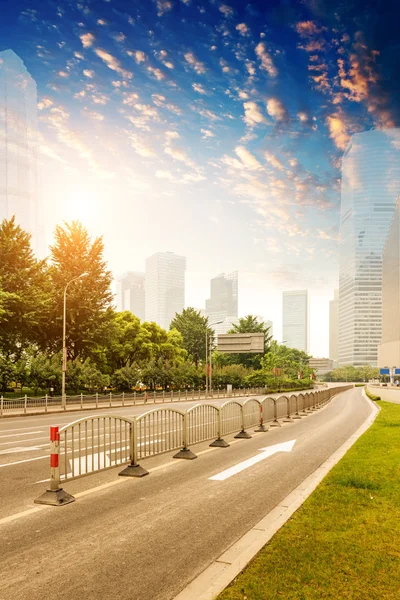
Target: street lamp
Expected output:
[64,350]
[210,387]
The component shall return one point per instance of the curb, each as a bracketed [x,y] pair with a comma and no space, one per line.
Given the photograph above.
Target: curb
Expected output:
[215,578]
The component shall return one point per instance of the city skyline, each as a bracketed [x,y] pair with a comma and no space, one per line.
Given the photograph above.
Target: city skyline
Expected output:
[226,122]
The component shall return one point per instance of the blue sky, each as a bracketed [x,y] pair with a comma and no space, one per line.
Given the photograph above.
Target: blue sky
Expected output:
[212,129]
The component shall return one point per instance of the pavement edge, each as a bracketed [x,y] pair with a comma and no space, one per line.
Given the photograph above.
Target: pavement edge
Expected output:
[215,578]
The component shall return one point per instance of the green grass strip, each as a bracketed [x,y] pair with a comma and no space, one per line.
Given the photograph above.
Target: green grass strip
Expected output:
[344,542]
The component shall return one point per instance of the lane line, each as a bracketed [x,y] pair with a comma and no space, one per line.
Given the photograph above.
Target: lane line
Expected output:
[27,433]
[19,462]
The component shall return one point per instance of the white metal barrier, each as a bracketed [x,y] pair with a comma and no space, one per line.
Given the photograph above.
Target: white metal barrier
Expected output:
[101,442]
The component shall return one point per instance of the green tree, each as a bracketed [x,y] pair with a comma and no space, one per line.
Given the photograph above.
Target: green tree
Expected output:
[128,341]
[89,312]
[250,324]
[193,328]
[24,292]
[282,360]
[126,378]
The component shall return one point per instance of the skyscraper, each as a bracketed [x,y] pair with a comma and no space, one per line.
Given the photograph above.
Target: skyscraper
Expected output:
[370,186]
[130,293]
[164,287]
[295,319]
[18,144]
[223,302]
[334,329]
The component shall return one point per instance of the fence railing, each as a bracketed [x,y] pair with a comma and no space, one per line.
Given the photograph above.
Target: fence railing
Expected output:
[32,405]
[99,442]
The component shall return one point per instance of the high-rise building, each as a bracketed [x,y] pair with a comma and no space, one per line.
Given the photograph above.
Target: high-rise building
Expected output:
[223,302]
[370,186]
[18,144]
[295,319]
[389,349]
[334,329]
[130,293]
[164,287]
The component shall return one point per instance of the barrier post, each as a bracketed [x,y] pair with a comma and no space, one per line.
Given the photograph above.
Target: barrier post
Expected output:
[81,401]
[261,427]
[242,434]
[134,398]
[193,394]
[1,406]
[133,469]
[275,422]
[110,398]
[123,398]
[172,396]
[163,395]
[55,495]
[288,418]
[45,404]
[219,442]
[186,394]
[97,399]
[185,452]
[25,402]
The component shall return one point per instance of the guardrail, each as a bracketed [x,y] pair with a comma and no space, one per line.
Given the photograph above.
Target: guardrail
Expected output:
[31,405]
[100,442]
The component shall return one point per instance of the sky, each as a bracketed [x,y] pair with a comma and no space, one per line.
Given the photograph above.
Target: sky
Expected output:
[208,128]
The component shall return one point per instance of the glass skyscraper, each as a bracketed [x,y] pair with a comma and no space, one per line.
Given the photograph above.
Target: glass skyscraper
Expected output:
[164,287]
[295,320]
[370,186]
[223,302]
[18,144]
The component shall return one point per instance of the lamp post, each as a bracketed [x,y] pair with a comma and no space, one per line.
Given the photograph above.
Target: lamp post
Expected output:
[64,350]
[210,386]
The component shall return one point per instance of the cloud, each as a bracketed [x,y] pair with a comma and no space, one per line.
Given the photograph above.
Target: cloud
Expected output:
[307,29]
[243,29]
[338,130]
[274,161]
[207,134]
[45,103]
[163,6]
[226,10]
[141,146]
[94,115]
[87,39]
[112,63]
[158,74]
[88,73]
[199,88]
[197,65]
[140,56]
[276,109]
[266,60]
[162,174]
[249,161]
[253,115]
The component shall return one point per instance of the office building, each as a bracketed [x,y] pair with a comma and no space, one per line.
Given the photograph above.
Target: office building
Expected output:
[321,366]
[130,293]
[370,186]
[334,329]
[295,320]
[223,301]
[18,145]
[389,349]
[164,287]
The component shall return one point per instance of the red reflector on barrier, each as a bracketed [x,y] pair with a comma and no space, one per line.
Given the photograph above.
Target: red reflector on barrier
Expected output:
[54,460]
[54,435]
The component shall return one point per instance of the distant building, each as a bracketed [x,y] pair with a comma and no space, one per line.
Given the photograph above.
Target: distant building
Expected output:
[267,323]
[334,329]
[164,287]
[131,294]
[223,301]
[18,145]
[225,326]
[370,186]
[389,349]
[321,366]
[295,319]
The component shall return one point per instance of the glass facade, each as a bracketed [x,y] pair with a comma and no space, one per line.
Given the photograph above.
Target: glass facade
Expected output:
[223,301]
[130,293]
[370,186]
[18,143]
[295,319]
[164,287]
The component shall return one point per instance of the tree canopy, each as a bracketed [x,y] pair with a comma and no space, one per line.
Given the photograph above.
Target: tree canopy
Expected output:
[193,328]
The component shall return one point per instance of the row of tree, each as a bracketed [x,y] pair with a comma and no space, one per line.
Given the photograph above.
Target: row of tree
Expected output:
[106,348]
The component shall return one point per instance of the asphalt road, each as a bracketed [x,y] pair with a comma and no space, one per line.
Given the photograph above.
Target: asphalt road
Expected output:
[142,539]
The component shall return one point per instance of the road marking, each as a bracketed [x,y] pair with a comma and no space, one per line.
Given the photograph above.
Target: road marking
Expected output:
[13,435]
[19,449]
[18,462]
[23,429]
[265,453]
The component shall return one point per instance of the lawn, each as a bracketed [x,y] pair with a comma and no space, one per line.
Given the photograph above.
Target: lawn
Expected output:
[344,542]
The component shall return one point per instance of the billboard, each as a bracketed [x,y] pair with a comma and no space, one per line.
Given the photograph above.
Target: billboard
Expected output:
[241,343]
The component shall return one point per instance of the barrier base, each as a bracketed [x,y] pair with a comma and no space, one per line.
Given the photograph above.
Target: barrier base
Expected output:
[219,443]
[288,420]
[296,417]
[261,428]
[133,471]
[55,498]
[243,435]
[185,453]
[275,424]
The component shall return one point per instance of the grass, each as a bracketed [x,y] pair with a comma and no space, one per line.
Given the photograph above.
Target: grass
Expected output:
[344,542]
[372,396]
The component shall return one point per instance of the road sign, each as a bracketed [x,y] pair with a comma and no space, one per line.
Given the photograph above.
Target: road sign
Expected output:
[384,371]
[241,343]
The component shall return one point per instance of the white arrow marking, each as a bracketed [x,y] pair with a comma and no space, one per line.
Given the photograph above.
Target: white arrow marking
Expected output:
[265,453]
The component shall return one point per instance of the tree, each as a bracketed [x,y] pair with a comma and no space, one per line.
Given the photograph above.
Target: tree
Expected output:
[89,312]
[193,328]
[128,341]
[24,292]
[282,360]
[250,324]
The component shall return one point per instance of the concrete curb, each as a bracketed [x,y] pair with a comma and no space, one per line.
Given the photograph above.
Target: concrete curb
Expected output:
[222,571]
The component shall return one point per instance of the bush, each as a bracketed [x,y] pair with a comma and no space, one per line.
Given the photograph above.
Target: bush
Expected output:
[372,396]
